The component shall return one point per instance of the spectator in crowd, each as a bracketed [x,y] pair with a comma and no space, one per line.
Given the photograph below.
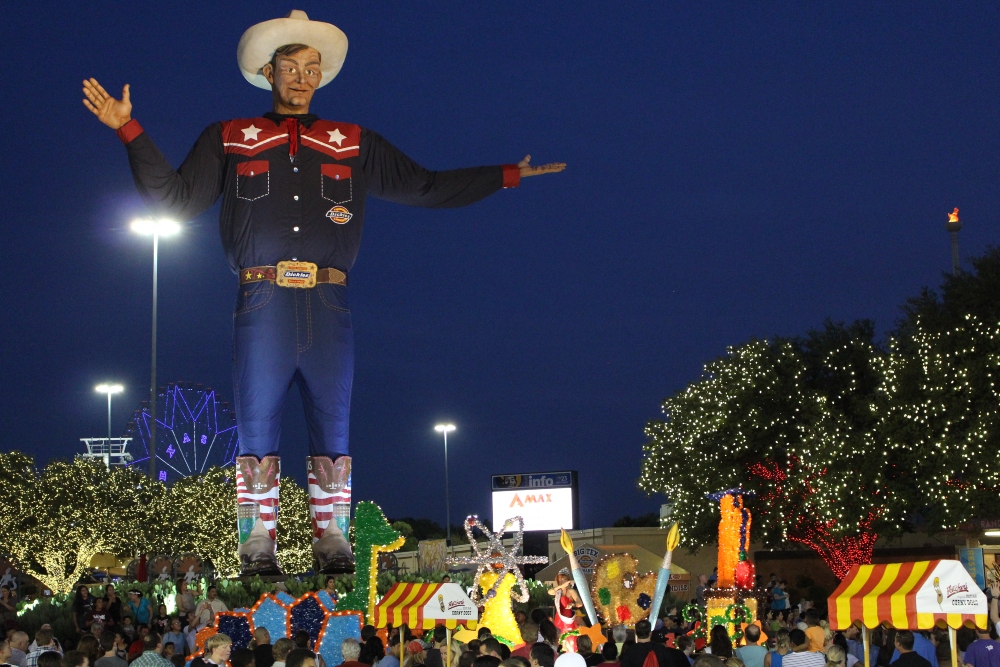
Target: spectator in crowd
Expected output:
[373,651]
[109,646]
[609,654]
[152,645]
[242,657]
[836,656]
[515,661]
[50,659]
[113,607]
[585,647]
[486,661]
[685,645]
[263,655]
[184,599]
[82,604]
[128,629]
[331,589]
[139,607]
[74,659]
[541,655]
[44,643]
[719,643]
[801,654]
[280,651]
[160,623]
[814,633]
[550,634]
[351,650]
[984,652]
[840,640]
[779,597]
[90,646]
[137,647]
[217,650]
[304,641]
[468,657]
[922,646]
[708,660]
[8,608]
[434,656]
[782,647]
[942,647]
[209,607]
[190,630]
[490,646]
[699,591]
[415,653]
[97,614]
[5,652]
[18,648]
[176,637]
[752,654]
[96,630]
[168,651]
[483,632]
[391,658]
[300,657]
[908,655]
[636,655]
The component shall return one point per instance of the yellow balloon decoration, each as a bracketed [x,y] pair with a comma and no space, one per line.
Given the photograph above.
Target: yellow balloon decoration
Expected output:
[498,615]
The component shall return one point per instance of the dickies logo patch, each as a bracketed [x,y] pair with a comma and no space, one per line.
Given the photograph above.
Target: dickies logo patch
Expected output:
[339,215]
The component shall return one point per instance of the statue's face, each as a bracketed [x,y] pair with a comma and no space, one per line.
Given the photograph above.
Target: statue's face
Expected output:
[295,78]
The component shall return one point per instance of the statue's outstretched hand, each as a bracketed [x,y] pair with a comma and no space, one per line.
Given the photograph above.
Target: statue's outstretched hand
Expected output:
[528,170]
[113,113]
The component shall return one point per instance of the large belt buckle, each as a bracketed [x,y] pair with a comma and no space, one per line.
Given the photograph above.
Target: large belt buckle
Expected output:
[296,274]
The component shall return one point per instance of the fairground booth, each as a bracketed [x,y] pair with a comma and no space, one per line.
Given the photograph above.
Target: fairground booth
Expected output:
[908,596]
[423,606]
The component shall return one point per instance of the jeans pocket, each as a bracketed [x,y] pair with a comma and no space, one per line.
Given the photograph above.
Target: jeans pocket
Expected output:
[253,296]
[253,179]
[337,185]
[333,297]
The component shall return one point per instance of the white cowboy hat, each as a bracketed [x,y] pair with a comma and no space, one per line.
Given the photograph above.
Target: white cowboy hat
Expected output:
[259,43]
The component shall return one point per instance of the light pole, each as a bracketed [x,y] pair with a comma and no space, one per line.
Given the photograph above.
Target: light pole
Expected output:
[953,226]
[109,389]
[156,229]
[445,429]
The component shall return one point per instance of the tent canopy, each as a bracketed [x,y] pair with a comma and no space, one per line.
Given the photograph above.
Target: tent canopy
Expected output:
[911,596]
[422,606]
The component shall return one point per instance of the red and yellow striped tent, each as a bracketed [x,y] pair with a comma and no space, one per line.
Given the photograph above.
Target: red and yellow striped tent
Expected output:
[422,606]
[911,596]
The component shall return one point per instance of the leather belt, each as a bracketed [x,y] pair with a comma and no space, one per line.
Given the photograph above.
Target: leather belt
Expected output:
[256,274]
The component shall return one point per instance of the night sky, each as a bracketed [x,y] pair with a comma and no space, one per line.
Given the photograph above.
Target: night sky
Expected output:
[735,170]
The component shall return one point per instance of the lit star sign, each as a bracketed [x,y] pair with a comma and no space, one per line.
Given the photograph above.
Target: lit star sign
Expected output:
[163,475]
[171,451]
[335,136]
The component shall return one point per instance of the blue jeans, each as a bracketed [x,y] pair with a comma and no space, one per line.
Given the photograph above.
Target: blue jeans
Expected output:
[284,335]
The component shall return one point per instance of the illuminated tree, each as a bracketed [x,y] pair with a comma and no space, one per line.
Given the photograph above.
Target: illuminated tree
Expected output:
[796,422]
[59,518]
[294,529]
[198,515]
[944,398]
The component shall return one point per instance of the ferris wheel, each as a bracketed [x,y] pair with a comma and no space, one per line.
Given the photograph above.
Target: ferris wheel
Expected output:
[195,430]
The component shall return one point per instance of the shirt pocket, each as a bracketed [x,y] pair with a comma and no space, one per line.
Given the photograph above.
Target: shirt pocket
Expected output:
[253,180]
[337,184]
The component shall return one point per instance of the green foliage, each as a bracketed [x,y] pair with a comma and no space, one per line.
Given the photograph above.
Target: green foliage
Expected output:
[842,438]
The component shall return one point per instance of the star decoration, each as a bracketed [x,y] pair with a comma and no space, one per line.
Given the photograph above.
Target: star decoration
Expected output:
[250,133]
[249,275]
[496,558]
[596,634]
[335,137]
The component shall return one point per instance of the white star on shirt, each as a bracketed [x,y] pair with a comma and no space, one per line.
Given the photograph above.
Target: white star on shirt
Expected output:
[251,133]
[336,137]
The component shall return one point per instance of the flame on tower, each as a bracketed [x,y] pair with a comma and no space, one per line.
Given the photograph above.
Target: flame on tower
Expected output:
[953,216]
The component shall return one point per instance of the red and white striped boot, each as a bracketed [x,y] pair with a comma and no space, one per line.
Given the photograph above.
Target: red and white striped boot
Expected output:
[257,513]
[330,511]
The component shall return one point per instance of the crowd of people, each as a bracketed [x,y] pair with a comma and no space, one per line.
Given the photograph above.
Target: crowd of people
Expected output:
[137,632]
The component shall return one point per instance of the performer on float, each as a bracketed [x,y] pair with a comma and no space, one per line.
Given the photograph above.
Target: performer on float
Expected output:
[293,191]
[566,602]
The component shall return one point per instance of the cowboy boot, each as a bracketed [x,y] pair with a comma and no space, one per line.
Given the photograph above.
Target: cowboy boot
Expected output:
[330,511]
[257,513]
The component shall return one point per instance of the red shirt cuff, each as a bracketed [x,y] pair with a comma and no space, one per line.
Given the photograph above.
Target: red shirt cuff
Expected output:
[511,175]
[129,131]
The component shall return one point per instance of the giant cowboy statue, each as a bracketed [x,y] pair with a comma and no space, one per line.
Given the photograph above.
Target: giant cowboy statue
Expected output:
[293,191]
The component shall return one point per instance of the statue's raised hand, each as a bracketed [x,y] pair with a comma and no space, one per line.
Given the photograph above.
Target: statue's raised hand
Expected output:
[528,170]
[113,113]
